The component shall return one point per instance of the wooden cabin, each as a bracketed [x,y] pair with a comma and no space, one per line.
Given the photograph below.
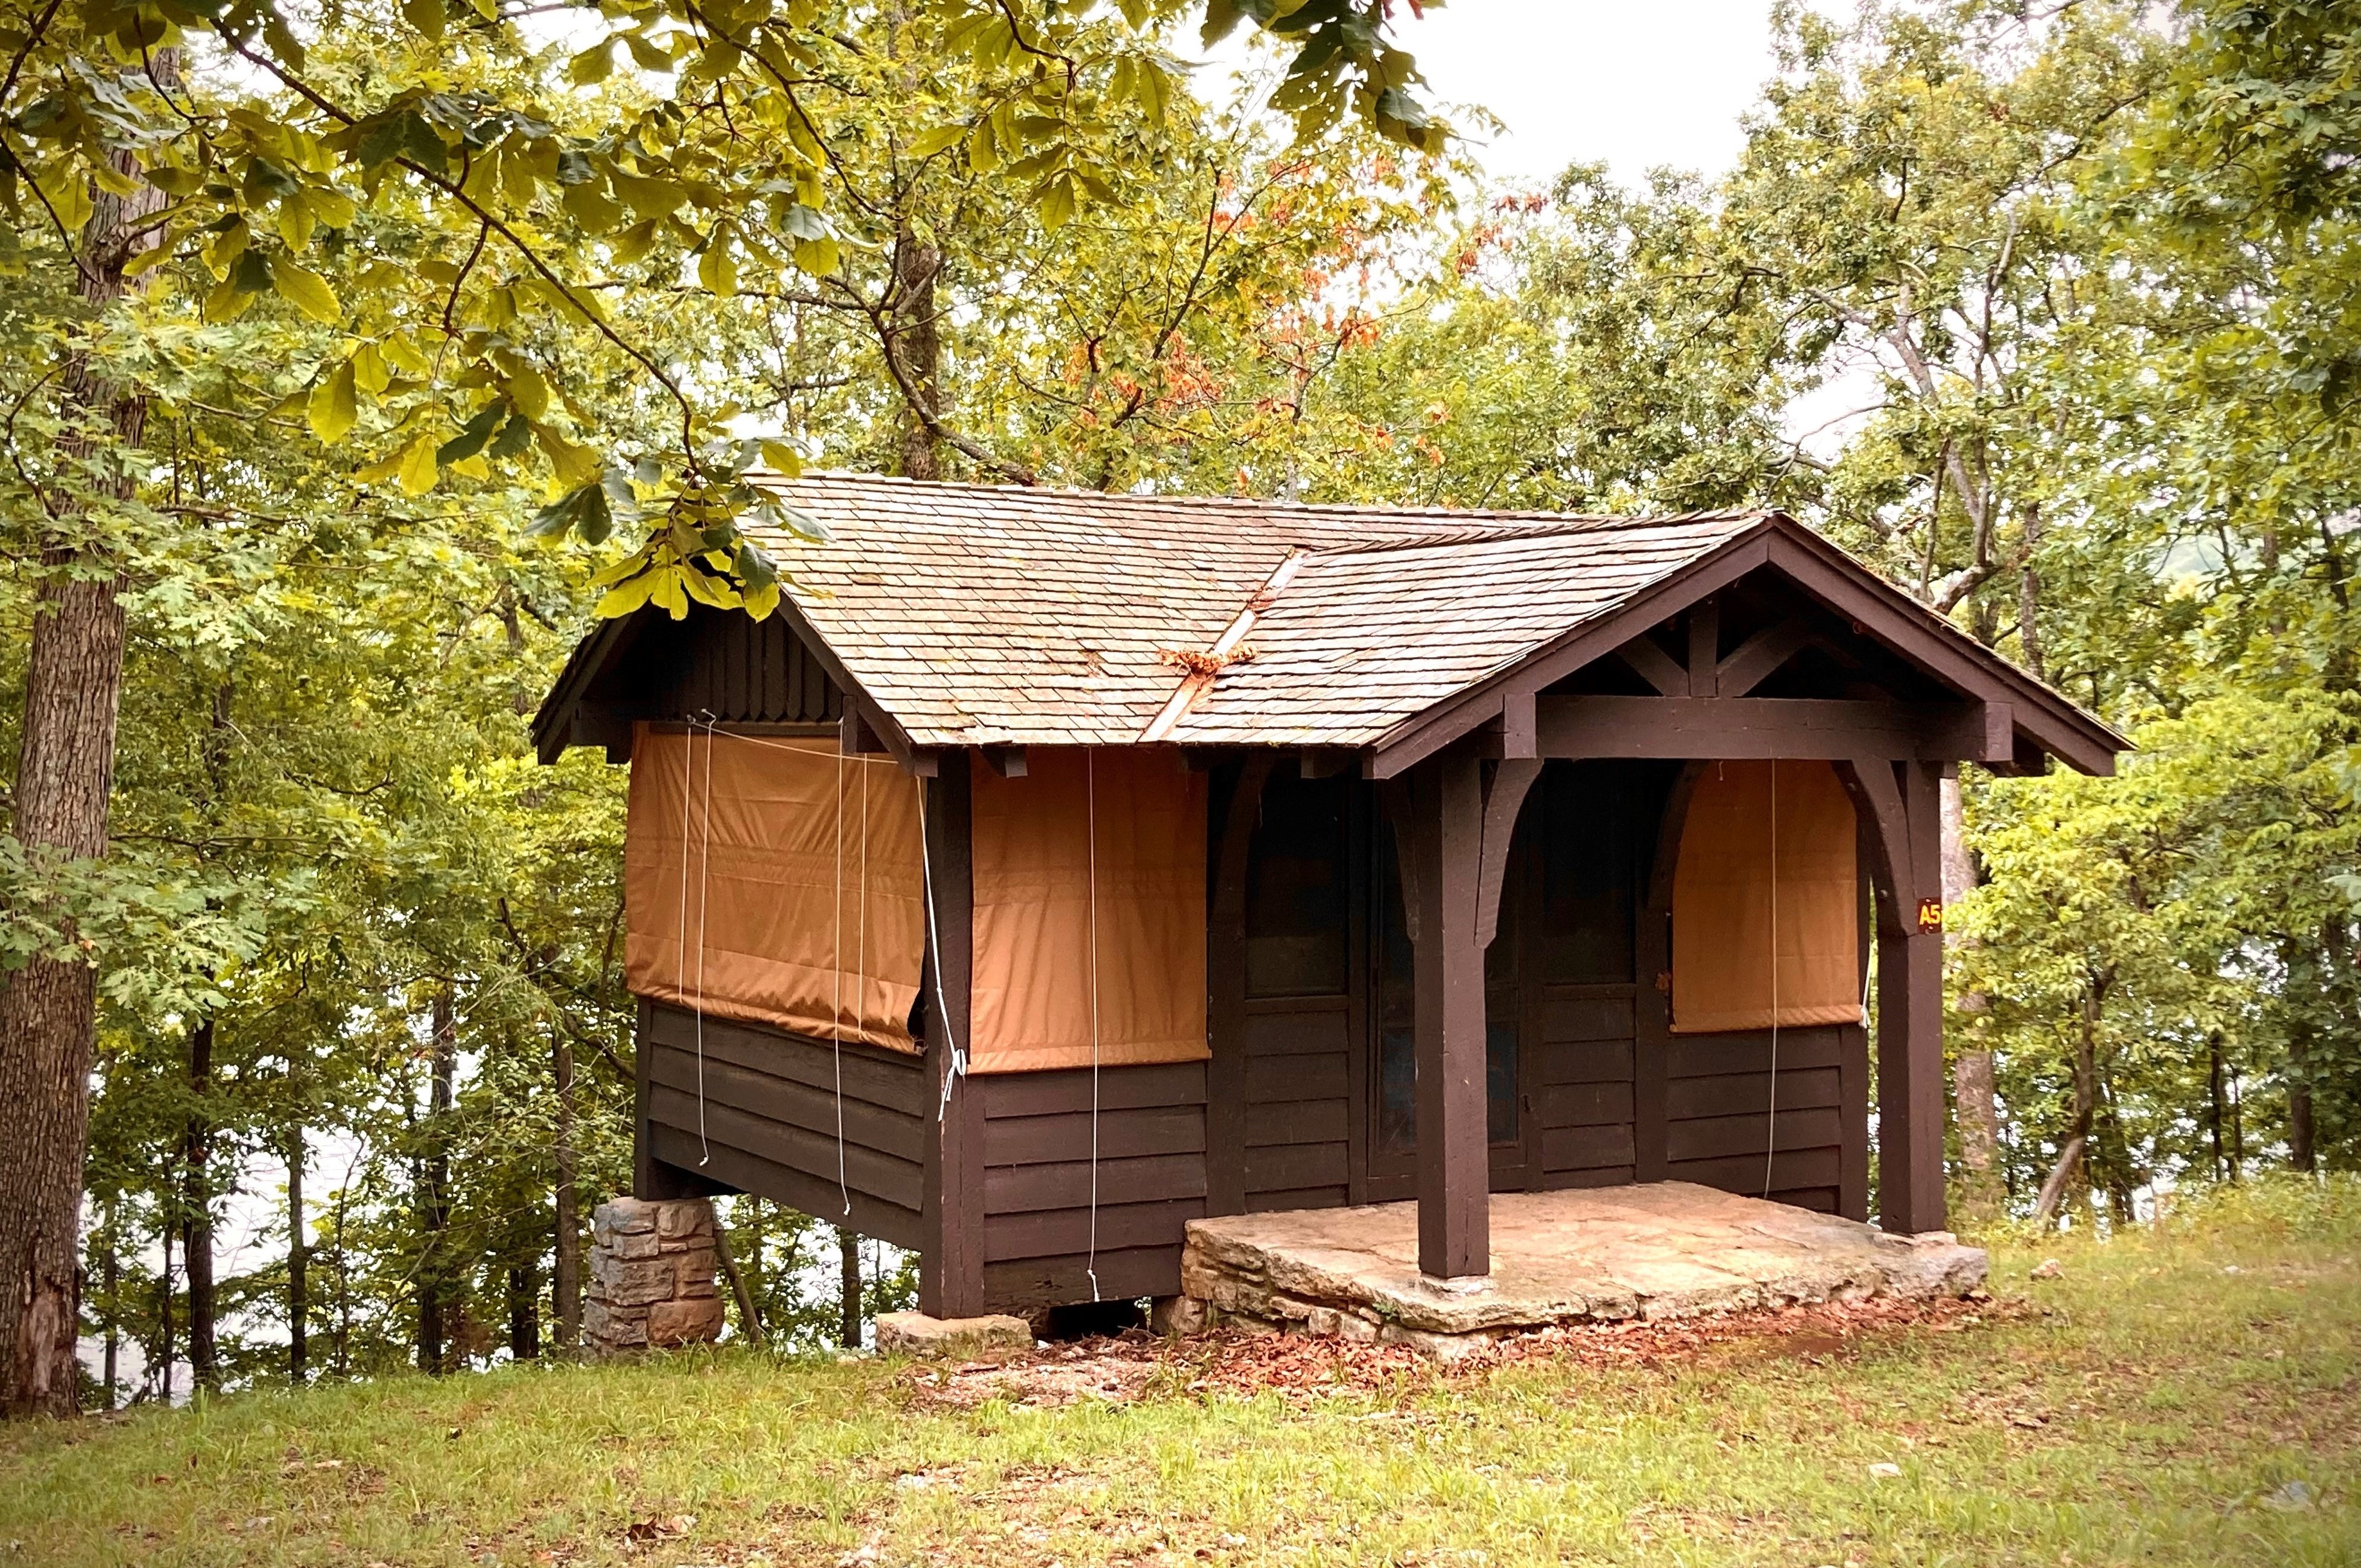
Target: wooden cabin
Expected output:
[1055,868]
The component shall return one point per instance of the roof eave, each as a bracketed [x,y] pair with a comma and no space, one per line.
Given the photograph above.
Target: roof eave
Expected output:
[1912,631]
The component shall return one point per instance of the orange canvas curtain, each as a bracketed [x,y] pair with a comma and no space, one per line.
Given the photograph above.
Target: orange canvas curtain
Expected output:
[1727,885]
[741,897]
[1034,854]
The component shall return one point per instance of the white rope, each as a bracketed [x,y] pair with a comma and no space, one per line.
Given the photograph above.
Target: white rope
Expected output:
[688,786]
[836,999]
[1770,1128]
[703,887]
[956,1068]
[1091,819]
[926,873]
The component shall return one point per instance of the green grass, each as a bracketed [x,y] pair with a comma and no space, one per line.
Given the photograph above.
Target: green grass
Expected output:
[2154,1410]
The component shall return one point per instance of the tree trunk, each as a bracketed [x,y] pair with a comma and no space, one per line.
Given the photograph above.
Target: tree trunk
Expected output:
[2237,1126]
[65,773]
[164,1327]
[434,1290]
[750,1320]
[298,1262]
[1975,1101]
[2086,1085]
[2301,1152]
[111,1280]
[197,1208]
[2216,1107]
[917,347]
[848,1251]
[2028,596]
[524,1312]
[566,1287]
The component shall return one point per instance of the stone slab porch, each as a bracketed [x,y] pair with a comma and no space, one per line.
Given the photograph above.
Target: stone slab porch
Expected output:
[1665,1249]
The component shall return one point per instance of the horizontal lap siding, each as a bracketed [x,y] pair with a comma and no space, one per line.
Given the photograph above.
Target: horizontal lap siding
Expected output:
[1038,1178]
[1717,1109]
[1583,1086]
[1298,1109]
[767,1117]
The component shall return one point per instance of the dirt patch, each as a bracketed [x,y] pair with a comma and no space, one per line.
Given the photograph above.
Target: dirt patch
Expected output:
[1135,1365]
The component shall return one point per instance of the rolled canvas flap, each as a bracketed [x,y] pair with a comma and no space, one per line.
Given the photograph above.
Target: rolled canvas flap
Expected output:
[1723,898]
[1031,1000]
[786,924]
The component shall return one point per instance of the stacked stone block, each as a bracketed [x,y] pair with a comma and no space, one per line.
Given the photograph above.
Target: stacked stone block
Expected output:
[651,1267]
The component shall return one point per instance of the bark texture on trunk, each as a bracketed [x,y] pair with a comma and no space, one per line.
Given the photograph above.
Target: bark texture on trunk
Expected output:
[299,1265]
[65,773]
[197,1210]
[525,1311]
[111,1280]
[848,1328]
[917,347]
[433,1285]
[566,1286]
[2028,596]
[1975,1099]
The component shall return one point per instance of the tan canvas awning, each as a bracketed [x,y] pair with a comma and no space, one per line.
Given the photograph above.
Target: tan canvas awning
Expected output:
[1089,912]
[776,880]
[1733,901]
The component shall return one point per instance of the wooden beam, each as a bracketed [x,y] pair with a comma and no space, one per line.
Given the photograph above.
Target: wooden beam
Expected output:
[1504,799]
[950,1257]
[1326,761]
[1454,1178]
[1723,727]
[1422,736]
[1883,614]
[1517,725]
[1705,646]
[1755,660]
[1655,666]
[1008,762]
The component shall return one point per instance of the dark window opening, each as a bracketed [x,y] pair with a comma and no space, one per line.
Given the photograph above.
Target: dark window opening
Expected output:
[1589,824]
[1296,921]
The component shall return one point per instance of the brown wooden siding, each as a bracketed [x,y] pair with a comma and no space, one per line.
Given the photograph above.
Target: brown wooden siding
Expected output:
[740,670]
[1298,1109]
[770,1119]
[1717,1107]
[1038,1134]
[1581,1087]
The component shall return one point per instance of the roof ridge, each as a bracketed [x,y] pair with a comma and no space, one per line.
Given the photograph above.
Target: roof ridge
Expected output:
[1563,528]
[1477,518]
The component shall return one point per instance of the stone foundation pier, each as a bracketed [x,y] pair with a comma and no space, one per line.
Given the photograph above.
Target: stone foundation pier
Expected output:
[651,1267]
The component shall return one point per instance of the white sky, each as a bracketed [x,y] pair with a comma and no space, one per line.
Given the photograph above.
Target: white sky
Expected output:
[1663,81]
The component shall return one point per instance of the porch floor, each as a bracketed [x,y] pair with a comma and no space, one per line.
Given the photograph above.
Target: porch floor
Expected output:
[1666,1249]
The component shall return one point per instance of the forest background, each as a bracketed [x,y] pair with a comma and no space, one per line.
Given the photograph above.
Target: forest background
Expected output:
[357,354]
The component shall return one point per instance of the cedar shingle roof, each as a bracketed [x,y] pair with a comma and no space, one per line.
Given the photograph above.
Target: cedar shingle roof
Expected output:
[983,615]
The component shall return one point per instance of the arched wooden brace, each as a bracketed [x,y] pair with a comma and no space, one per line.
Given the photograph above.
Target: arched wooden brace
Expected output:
[1505,785]
[1897,802]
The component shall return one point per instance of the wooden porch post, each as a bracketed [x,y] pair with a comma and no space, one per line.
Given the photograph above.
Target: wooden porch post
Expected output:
[1899,801]
[1910,1033]
[951,1264]
[1442,856]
